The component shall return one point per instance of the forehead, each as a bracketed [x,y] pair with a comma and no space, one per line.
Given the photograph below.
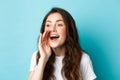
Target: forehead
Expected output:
[54,17]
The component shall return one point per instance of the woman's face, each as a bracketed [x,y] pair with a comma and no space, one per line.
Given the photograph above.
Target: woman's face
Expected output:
[57,28]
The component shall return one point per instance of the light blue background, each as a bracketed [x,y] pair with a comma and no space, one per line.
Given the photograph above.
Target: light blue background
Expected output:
[98,23]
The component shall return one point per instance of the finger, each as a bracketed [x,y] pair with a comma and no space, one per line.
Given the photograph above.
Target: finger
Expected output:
[40,40]
[45,36]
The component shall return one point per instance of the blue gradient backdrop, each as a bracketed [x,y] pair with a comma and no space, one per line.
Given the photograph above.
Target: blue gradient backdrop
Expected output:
[98,23]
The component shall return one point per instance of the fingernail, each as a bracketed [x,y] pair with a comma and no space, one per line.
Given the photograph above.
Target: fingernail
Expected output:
[40,33]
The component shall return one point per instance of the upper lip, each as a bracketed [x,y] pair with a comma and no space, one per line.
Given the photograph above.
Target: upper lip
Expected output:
[54,35]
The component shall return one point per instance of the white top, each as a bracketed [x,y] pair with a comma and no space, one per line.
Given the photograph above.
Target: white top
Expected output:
[85,65]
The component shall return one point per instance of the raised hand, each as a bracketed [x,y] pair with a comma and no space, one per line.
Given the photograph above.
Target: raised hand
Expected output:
[43,45]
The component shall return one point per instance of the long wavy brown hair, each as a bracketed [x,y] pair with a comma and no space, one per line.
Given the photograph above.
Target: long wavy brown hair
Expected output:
[73,52]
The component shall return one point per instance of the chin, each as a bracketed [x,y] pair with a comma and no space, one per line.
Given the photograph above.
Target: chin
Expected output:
[53,46]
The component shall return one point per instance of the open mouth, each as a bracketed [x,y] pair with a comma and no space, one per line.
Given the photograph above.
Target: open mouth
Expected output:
[54,37]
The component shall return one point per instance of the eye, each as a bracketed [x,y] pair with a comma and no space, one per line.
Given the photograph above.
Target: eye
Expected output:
[60,25]
[47,25]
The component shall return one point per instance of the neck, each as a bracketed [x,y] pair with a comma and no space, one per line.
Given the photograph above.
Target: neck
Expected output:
[59,51]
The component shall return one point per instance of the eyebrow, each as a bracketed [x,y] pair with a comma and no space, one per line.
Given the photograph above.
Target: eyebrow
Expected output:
[56,21]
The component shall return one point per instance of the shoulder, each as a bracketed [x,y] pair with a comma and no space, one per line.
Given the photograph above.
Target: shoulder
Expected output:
[85,58]
[86,62]
[34,54]
[86,67]
[33,61]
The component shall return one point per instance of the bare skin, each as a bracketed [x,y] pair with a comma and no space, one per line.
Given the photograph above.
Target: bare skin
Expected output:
[54,27]
[45,52]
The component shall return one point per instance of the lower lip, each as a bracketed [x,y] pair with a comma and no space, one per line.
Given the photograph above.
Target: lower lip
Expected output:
[54,40]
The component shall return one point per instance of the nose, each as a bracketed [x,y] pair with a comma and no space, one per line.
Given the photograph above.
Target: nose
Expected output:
[53,28]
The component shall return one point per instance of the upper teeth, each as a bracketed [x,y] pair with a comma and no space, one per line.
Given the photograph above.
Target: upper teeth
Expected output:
[53,35]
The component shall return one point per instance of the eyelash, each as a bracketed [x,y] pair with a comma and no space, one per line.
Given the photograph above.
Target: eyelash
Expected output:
[47,25]
[60,24]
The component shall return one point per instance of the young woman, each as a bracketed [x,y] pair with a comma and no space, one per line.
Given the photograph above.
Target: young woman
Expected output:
[59,55]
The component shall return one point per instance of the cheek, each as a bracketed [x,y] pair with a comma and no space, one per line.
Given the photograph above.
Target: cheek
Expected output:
[62,31]
[46,28]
